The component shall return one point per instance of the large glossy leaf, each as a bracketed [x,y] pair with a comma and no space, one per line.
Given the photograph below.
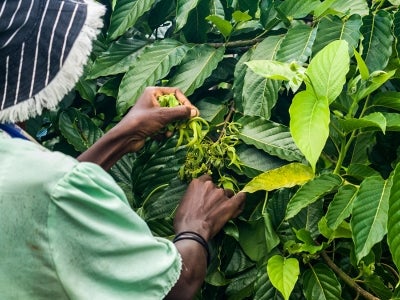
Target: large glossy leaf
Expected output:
[319,282]
[308,218]
[270,137]
[198,65]
[309,124]
[165,161]
[183,9]
[387,99]
[259,95]
[125,15]
[393,224]
[375,120]
[252,239]
[340,207]
[255,161]
[333,28]
[327,71]
[377,42]
[283,177]
[297,9]
[241,286]
[311,192]
[370,214]
[392,121]
[283,273]
[354,7]
[396,31]
[264,290]
[296,45]
[78,129]
[118,58]
[154,64]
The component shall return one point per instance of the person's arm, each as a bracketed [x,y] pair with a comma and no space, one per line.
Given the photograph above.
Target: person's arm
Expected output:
[204,209]
[145,119]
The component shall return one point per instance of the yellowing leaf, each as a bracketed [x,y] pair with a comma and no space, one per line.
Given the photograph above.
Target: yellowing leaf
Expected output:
[285,176]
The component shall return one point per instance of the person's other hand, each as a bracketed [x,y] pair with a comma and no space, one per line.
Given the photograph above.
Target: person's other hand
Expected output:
[146,118]
[205,208]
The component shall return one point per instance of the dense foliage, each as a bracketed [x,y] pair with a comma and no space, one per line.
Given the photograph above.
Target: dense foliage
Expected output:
[302,108]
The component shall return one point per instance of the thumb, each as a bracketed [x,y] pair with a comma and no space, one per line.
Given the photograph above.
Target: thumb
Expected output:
[176,113]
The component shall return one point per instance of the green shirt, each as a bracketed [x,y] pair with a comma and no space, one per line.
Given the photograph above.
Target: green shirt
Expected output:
[67,232]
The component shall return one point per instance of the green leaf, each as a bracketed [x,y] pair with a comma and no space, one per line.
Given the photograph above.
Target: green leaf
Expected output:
[393,223]
[375,81]
[283,177]
[291,72]
[294,9]
[125,15]
[183,9]
[370,214]
[311,192]
[270,137]
[154,64]
[252,239]
[296,45]
[264,290]
[256,161]
[377,42]
[340,207]
[224,26]
[283,273]
[387,99]
[78,129]
[211,110]
[376,119]
[362,66]
[197,66]
[308,218]
[239,16]
[319,282]
[327,70]
[118,58]
[259,95]
[333,28]
[309,124]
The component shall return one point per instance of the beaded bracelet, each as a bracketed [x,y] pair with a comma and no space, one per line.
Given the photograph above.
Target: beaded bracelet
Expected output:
[194,236]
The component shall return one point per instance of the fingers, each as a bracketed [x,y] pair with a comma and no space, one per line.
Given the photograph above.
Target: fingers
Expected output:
[237,202]
[204,178]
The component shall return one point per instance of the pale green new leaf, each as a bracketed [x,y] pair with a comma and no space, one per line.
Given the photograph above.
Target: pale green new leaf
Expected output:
[320,282]
[125,15]
[376,120]
[283,177]
[327,70]
[197,66]
[78,129]
[349,8]
[224,26]
[154,64]
[291,72]
[375,81]
[118,58]
[297,43]
[309,124]
[270,137]
[183,9]
[393,224]
[362,66]
[370,214]
[311,192]
[332,28]
[340,207]
[283,273]
[378,38]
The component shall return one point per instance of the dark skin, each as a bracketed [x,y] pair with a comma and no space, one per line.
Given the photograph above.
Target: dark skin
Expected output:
[204,208]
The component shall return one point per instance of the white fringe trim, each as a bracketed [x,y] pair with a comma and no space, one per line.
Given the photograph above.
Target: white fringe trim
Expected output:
[68,75]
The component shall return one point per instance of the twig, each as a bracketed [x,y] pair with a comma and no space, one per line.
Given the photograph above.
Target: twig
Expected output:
[346,278]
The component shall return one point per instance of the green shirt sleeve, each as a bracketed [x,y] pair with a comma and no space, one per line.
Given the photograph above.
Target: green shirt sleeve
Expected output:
[100,247]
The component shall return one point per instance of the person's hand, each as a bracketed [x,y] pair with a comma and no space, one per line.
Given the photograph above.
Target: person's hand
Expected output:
[205,208]
[146,118]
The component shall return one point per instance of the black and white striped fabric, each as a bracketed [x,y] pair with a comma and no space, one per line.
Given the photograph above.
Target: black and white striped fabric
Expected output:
[43,48]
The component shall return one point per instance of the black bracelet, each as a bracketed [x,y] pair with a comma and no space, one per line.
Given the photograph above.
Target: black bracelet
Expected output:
[194,236]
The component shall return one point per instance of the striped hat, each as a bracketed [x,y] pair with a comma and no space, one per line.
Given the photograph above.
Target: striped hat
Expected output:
[44,46]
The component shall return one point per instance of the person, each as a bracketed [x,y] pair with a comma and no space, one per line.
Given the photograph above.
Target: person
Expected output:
[67,230]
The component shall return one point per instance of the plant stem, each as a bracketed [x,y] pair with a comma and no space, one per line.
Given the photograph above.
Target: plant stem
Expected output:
[347,279]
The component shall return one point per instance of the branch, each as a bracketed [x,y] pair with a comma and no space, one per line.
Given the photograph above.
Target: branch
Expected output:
[346,278]
[236,44]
